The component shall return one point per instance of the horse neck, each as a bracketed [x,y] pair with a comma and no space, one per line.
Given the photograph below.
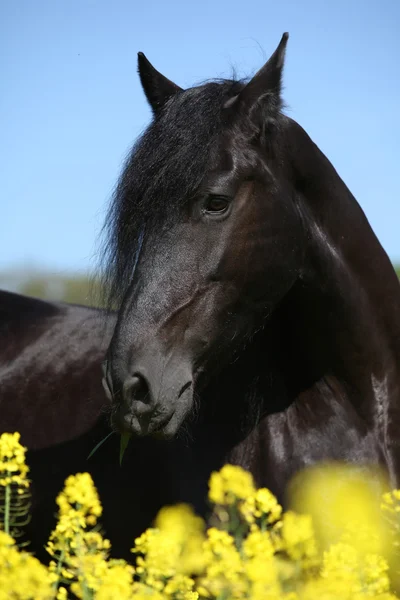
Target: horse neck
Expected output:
[346,304]
[331,350]
[334,338]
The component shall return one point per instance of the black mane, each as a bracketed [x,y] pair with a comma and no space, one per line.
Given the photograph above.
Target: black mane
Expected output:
[164,168]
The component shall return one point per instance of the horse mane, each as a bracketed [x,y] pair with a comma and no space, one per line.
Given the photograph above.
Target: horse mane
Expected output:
[164,168]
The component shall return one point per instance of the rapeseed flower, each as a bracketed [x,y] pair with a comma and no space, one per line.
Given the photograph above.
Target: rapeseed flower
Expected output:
[117,582]
[188,530]
[297,539]
[80,553]
[14,485]
[224,569]
[13,468]
[261,568]
[79,493]
[332,544]
[158,557]
[344,504]
[230,484]
[390,507]
[260,508]
[22,576]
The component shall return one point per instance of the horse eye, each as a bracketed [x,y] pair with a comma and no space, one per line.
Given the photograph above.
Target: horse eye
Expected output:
[216,204]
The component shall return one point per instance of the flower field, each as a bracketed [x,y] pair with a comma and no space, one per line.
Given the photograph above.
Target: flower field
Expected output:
[340,541]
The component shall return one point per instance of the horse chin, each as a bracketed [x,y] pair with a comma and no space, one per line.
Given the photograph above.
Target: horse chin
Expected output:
[171,426]
[164,435]
[165,430]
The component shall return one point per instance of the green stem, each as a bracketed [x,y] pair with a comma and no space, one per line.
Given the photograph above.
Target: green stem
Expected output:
[86,594]
[58,571]
[86,591]
[7,509]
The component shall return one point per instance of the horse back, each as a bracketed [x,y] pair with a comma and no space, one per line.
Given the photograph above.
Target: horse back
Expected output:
[50,368]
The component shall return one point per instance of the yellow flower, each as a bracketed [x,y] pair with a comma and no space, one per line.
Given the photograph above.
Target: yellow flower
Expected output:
[391,501]
[180,587]
[116,582]
[83,553]
[344,568]
[179,521]
[22,576]
[62,593]
[230,484]
[79,507]
[262,506]
[376,576]
[13,469]
[268,555]
[343,500]
[224,573]
[89,571]
[258,543]
[390,507]
[158,558]
[80,494]
[298,539]
[68,525]
[181,524]
[171,549]
[341,562]
[259,564]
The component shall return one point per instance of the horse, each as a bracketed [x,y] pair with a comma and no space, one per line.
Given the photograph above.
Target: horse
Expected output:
[257,311]
[257,318]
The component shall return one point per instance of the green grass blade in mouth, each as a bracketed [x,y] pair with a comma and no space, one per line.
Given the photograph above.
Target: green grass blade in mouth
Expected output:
[125,437]
[97,446]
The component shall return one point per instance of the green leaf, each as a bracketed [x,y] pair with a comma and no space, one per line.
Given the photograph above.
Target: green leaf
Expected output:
[125,437]
[99,444]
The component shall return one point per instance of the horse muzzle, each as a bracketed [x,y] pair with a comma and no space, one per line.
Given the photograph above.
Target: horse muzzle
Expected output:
[151,402]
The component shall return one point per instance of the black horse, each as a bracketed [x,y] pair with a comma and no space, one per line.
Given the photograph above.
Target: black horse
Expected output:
[254,293]
[258,321]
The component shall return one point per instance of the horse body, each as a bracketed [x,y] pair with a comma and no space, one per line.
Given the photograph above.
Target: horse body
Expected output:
[258,321]
[50,353]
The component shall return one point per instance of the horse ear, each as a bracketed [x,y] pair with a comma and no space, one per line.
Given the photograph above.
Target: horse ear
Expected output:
[158,89]
[266,83]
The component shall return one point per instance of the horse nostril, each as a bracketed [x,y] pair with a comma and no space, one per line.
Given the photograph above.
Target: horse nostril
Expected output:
[136,388]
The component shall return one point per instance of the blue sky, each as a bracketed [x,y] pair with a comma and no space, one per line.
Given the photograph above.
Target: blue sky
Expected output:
[71,103]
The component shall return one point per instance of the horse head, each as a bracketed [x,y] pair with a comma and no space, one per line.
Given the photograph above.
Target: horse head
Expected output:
[205,240]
